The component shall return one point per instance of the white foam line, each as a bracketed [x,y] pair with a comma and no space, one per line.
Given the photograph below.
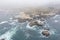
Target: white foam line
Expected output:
[3,22]
[55,16]
[9,34]
[46,25]
[55,21]
[16,20]
[10,18]
[33,28]
[12,23]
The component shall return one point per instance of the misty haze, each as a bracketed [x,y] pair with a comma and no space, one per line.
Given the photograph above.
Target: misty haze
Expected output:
[29,19]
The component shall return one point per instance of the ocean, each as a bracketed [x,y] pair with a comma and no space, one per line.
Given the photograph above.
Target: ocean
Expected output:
[13,30]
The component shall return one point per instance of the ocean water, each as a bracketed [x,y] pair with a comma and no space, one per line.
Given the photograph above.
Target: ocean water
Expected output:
[13,30]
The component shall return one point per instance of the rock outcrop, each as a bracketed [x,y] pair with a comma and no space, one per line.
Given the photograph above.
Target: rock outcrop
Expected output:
[45,33]
[36,22]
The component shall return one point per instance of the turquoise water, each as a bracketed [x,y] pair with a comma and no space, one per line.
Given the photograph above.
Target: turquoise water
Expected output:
[13,30]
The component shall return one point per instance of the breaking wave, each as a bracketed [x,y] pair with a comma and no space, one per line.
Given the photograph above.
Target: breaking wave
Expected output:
[8,35]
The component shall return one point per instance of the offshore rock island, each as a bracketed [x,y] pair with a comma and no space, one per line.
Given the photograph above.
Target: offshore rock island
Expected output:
[36,16]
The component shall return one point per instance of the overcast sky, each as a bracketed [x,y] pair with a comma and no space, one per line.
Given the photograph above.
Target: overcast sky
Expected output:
[21,3]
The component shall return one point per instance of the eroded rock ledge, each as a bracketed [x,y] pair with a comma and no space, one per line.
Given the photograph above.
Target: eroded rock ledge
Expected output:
[35,14]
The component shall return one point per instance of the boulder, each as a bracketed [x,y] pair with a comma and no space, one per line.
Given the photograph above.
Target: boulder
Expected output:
[45,33]
[36,22]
